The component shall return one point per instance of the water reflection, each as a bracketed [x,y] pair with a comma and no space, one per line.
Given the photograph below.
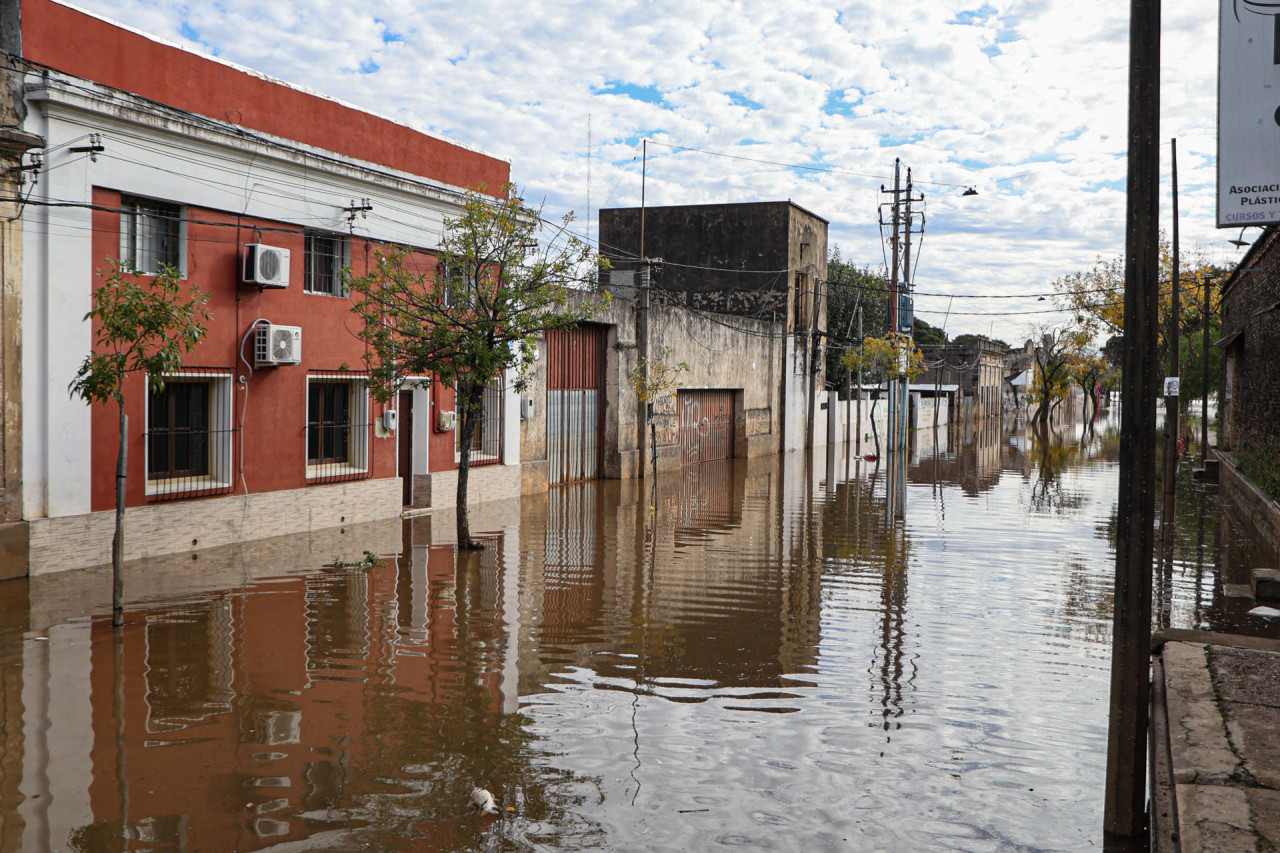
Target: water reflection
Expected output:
[776,652]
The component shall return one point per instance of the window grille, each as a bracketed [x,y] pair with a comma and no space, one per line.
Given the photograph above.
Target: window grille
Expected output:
[325,258]
[150,234]
[189,439]
[338,427]
[486,441]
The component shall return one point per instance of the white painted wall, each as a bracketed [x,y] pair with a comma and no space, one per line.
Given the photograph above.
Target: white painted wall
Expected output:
[57,737]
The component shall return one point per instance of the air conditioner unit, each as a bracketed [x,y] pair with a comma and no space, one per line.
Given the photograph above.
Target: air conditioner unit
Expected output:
[266,266]
[275,345]
[448,420]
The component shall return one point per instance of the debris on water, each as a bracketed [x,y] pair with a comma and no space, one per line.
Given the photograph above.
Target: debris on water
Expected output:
[483,800]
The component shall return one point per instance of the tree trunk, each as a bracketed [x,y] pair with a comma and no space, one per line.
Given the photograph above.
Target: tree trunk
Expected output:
[117,542]
[470,400]
[875,433]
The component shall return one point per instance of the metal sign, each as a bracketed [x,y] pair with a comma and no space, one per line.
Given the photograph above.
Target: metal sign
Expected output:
[906,313]
[1171,384]
[1248,113]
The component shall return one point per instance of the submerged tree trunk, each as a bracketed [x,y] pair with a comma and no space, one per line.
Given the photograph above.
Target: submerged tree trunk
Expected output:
[470,402]
[117,542]
[875,398]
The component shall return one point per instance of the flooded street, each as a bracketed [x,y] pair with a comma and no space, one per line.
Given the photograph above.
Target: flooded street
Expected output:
[755,655]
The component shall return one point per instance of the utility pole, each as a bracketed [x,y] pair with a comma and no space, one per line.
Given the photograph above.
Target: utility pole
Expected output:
[905,407]
[1171,401]
[848,376]
[1207,284]
[861,352]
[1131,626]
[645,413]
[893,288]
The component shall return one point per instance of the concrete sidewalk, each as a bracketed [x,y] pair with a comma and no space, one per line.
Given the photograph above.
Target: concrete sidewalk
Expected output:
[1215,743]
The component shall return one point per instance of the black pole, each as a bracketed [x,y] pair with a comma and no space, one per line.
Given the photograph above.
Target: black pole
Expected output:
[1206,283]
[1131,627]
[1171,406]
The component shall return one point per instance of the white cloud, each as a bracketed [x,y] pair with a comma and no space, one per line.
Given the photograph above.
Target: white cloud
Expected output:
[1024,99]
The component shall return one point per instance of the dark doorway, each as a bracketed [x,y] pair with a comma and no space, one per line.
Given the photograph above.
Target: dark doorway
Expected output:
[404,440]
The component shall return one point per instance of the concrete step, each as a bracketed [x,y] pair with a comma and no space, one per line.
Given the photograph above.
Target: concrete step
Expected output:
[1266,584]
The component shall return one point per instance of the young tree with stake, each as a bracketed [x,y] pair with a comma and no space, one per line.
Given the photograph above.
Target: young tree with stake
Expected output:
[146,324]
[494,288]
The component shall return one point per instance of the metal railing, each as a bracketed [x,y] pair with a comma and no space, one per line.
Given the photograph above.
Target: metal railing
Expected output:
[196,463]
[486,441]
[338,452]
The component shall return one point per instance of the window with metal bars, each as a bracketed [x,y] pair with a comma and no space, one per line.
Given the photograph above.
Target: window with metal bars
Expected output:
[189,436]
[337,428]
[486,441]
[325,257]
[150,234]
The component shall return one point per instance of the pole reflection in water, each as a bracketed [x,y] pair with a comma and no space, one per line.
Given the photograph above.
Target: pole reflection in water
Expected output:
[767,651]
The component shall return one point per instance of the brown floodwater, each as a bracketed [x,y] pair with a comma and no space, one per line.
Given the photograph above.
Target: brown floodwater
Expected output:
[772,654]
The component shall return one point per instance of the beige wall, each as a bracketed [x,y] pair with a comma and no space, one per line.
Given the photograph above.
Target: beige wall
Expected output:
[82,541]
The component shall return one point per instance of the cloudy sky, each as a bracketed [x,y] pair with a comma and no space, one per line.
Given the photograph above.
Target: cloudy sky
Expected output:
[1023,100]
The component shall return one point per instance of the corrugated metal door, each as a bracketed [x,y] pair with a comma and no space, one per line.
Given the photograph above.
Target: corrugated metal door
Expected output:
[706,426]
[575,402]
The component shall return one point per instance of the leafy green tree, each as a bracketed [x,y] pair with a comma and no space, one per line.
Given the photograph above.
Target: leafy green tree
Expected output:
[1095,296]
[476,314]
[926,334]
[1088,368]
[848,287]
[1055,348]
[890,357]
[146,324]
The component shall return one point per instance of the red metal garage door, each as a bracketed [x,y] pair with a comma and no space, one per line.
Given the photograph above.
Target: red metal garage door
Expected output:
[575,402]
[706,425]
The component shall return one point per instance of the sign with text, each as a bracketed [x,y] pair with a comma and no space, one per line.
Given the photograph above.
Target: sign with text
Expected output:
[1248,113]
[1171,385]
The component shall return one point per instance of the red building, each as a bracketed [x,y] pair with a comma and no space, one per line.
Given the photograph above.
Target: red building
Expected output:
[260,193]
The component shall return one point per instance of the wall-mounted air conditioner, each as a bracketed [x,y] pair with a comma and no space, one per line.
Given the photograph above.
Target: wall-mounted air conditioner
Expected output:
[275,345]
[266,266]
[448,420]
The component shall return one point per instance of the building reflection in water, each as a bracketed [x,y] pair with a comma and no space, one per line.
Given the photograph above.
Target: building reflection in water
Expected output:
[339,708]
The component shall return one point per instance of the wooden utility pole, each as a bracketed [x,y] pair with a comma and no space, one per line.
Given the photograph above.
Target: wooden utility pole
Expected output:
[893,288]
[1207,284]
[861,350]
[1170,478]
[905,395]
[1124,813]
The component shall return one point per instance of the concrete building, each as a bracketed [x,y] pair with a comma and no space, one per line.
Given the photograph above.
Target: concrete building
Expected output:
[977,367]
[762,261]
[583,419]
[260,193]
[15,142]
[1249,390]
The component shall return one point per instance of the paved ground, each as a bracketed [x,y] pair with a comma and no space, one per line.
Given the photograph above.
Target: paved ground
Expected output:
[1216,738]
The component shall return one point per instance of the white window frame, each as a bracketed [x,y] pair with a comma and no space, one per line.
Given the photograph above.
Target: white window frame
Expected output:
[221,427]
[359,410]
[132,219]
